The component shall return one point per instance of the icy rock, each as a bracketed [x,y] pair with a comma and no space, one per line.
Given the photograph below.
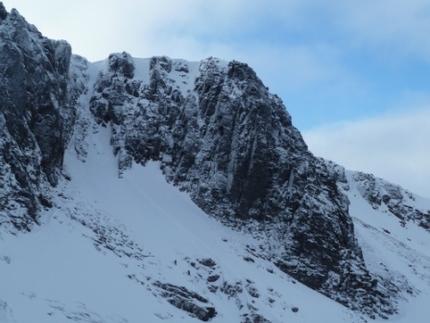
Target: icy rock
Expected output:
[33,91]
[186,300]
[122,63]
[233,148]
[3,12]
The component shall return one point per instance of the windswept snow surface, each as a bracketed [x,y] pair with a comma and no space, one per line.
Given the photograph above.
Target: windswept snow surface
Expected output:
[104,244]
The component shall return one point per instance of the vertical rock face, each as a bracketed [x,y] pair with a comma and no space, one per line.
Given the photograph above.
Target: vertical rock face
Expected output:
[33,90]
[3,12]
[231,144]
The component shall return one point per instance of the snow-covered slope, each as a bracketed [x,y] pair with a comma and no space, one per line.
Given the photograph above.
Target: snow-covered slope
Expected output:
[125,250]
[393,247]
[160,189]
[103,253]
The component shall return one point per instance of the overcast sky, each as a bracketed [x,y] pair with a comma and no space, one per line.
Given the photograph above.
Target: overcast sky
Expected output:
[354,75]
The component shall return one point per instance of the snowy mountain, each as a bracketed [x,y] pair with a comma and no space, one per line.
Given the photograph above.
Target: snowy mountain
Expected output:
[164,190]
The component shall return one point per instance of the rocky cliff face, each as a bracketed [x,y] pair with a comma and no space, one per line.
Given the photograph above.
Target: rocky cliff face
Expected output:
[218,133]
[231,144]
[33,92]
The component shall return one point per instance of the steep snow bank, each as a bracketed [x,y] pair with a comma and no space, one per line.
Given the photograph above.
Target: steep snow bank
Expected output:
[107,241]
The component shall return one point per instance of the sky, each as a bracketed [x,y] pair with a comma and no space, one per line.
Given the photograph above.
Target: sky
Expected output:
[353,74]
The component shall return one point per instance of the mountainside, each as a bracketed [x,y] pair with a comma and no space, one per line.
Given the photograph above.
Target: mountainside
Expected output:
[93,157]
[34,77]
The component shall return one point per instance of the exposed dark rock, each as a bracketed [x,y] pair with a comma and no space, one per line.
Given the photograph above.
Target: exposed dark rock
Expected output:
[252,291]
[208,262]
[3,12]
[33,92]
[122,64]
[213,278]
[232,290]
[45,202]
[186,300]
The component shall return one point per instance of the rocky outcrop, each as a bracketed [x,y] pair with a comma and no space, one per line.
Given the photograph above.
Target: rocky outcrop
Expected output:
[391,199]
[188,301]
[231,144]
[33,92]
[3,12]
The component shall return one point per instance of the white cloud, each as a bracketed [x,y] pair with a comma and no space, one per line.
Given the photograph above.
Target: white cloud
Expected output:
[395,147]
[96,28]
[191,29]
[399,27]
[394,27]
